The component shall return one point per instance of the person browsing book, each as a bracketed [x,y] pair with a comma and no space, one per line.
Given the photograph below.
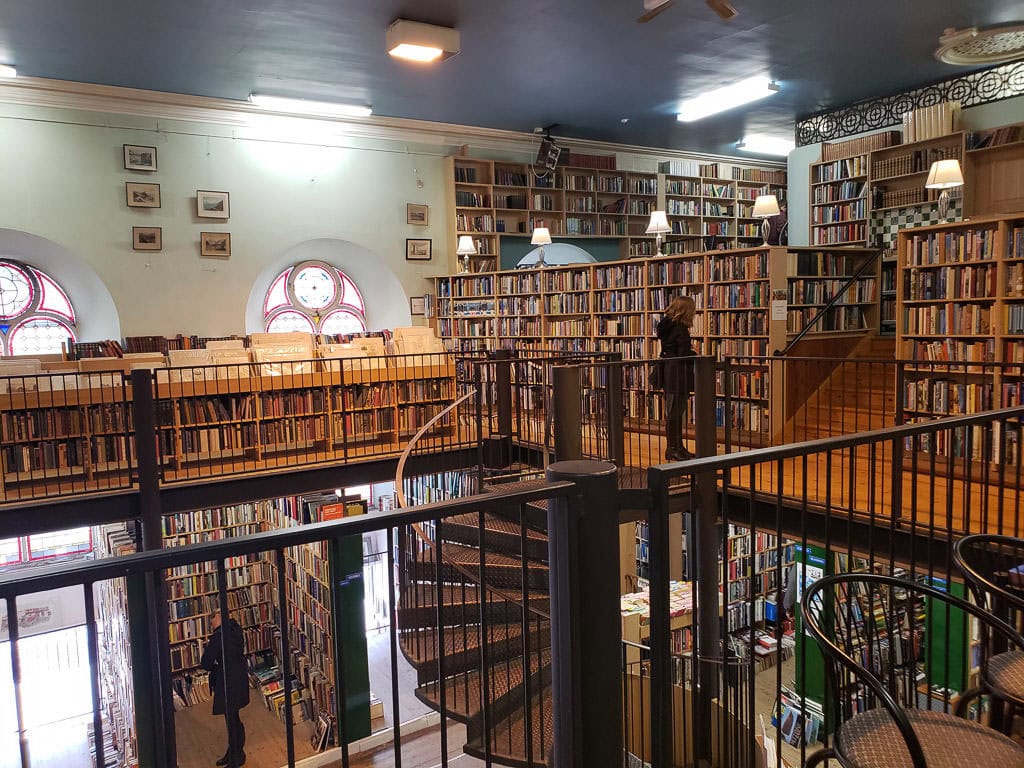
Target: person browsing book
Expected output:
[224,659]
[676,376]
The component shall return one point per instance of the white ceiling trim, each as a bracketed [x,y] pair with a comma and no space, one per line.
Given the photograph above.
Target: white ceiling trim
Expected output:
[63,94]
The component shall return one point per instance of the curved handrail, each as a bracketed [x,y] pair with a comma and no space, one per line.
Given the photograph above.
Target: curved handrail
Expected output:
[403,502]
[400,469]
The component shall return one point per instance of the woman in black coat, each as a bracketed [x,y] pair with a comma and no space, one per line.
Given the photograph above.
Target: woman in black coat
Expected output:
[225,661]
[677,376]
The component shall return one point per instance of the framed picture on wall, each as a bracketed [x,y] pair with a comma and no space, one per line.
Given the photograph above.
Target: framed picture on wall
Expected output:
[215,244]
[212,205]
[139,158]
[139,195]
[417,249]
[417,214]
[147,238]
[417,305]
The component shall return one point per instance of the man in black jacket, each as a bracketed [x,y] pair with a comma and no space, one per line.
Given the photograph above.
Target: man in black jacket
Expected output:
[224,658]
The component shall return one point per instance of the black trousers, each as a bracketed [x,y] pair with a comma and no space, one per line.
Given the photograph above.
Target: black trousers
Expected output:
[236,736]
[675,402]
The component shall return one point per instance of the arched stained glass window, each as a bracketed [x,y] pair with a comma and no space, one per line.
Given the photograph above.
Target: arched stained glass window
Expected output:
[314,297]
[36,316]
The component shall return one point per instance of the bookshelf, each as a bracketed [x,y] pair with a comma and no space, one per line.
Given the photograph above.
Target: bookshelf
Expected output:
[273,420]
[814,277]
[839,195]
[117,682]
[79,437]
[192,590]
[616,306]
[492,199]
[960,302]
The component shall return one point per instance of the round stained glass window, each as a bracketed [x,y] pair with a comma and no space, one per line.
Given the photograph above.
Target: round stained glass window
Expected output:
[15,291]
[314,297]
[314,287]
[36,316]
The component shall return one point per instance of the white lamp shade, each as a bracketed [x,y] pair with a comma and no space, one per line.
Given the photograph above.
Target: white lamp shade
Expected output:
[541,236]
[945,174]
[658,225]
[466,246]
[766,206]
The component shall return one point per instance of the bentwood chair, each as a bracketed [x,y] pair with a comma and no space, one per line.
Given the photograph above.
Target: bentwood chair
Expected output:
[994,569]
[872,630]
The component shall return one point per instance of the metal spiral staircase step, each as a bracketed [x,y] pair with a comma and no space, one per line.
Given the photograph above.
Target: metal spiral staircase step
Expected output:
[500,535]
[460,606]
[501,571]
[462,647]
[508,736]
[463,692]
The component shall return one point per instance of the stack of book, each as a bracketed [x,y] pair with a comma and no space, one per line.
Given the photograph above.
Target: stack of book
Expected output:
[931,122]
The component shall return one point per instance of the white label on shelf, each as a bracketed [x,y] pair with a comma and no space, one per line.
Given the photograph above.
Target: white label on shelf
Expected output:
[779,307]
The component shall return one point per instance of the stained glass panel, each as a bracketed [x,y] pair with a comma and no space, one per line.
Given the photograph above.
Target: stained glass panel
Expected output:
[290,321]
[53,298]
[314,287]
[39,336]
[15,291]
[342,322]
[277,296]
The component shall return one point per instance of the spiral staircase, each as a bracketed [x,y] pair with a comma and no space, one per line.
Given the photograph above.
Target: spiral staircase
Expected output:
[494,673]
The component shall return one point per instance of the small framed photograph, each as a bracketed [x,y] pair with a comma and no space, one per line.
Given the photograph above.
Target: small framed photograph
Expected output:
[215,244]
[139,195]
[138,158]
[417,305]
[417,214]
[212,205]
[417,249]
[147,238]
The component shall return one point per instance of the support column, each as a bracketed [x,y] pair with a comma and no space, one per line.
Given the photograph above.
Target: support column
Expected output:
[586,626]
[566,402]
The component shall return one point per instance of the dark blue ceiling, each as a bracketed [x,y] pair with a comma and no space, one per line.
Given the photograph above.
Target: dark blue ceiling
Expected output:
[584,64]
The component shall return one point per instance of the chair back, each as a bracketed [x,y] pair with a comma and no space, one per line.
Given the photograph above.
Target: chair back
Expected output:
[871,631]
[994,569]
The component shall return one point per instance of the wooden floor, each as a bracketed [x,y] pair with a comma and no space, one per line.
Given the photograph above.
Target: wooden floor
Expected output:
[202,737]
[862,481]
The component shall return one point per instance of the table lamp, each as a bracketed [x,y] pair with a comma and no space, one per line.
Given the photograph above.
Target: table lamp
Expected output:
[658,226]
[765,207]
[944,175]
[541,237]
[465,249]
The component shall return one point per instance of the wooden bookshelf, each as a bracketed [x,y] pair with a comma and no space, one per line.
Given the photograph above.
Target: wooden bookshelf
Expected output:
[616,306]
[493,199]
[960,312]
[814,277]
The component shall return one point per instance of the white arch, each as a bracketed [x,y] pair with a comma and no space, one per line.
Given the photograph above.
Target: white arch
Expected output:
[387,305]
[94,306]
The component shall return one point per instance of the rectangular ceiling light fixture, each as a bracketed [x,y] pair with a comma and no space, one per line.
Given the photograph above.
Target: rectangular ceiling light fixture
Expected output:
[305,107]
[6,70]
[725,98]
[760,144]
[415,41]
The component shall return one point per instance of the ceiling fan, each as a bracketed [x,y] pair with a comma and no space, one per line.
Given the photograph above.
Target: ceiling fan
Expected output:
[653,7]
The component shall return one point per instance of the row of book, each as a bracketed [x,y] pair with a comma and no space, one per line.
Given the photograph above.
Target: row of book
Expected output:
[567,304]
[949,350]
[953,319]
[839,170]
[950,247]
[834,193]
[941,396]
[955,282]
[821,290]
[931,122]
[830,214]
[838,234]
[835,318]
[738,295]
[751,323]
[914,161]
[740,267]
[860,146]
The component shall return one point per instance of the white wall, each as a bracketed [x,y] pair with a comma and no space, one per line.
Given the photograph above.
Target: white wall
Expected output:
[63,180]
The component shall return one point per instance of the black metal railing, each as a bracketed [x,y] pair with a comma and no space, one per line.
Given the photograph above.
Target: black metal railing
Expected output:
[420,566]
[762,524]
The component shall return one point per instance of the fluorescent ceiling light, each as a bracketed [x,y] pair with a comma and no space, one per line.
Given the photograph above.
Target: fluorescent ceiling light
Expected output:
[725,98]
[414,41]
[304,107]
[760,144]
[6,70]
